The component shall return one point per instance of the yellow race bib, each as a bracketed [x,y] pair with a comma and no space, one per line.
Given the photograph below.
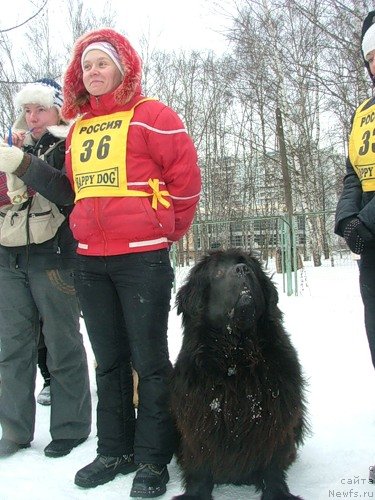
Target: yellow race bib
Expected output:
[98,152]
[362,146]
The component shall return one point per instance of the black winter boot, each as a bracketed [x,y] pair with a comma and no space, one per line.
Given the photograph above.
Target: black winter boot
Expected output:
[104,469]
[150,481]
[61,447]
[44,397]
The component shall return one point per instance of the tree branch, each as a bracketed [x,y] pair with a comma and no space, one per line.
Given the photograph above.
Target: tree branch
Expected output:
[27,20]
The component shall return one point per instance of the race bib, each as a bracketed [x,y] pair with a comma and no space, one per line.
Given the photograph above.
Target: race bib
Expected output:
[98,151]
[362,147]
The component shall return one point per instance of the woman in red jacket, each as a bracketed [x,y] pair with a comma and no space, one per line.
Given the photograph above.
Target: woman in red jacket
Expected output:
[134,171]
[136,181]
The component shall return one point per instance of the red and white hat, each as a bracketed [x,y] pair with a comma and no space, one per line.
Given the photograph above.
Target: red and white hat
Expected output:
[108,49]
[75,93]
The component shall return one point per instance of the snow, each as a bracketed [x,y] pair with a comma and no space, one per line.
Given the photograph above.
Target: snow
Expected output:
[325,322]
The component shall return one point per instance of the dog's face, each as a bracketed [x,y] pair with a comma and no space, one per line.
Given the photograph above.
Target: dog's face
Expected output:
[228,288]
[234,294]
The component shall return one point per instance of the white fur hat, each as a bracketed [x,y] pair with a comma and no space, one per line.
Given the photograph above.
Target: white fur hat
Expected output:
[45,92]
[368,42]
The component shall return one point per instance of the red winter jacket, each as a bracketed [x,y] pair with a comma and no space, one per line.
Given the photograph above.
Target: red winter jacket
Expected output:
[158,147]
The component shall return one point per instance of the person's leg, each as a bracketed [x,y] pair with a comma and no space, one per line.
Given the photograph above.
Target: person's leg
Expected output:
[367,287]
[44,396]
[55,296]
[19,325]
[143,282]
[42,358]
[105,327]
[115,411]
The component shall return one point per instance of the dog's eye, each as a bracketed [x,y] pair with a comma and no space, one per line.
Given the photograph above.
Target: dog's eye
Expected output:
[219,273]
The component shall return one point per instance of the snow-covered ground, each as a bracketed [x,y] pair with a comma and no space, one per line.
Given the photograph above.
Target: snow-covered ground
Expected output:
[326,325]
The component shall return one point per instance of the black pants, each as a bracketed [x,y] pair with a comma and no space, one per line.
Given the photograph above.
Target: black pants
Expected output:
[367,287]
[125,301]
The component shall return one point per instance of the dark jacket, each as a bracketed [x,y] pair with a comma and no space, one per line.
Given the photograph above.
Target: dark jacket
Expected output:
[353,200]
[60,251]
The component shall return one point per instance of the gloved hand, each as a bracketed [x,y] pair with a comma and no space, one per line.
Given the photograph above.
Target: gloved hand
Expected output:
[356,235]
[10,158]
[17,189]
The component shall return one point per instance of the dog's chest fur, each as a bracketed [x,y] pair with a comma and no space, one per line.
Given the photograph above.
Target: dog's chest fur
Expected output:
[237,391]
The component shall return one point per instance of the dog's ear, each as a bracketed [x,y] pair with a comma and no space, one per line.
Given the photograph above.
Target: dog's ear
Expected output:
[189,298]
[272,295]
[268,287]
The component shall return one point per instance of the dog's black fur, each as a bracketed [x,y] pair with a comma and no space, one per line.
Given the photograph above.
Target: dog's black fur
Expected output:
[237,387]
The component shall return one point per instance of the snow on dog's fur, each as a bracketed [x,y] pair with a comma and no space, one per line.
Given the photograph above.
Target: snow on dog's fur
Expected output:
[237,387]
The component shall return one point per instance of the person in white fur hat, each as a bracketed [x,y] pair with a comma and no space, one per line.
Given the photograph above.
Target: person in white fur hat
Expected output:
[37,285]
[40,103]
[45,96]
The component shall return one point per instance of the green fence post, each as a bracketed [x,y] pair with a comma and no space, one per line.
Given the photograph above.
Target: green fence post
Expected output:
[286,252]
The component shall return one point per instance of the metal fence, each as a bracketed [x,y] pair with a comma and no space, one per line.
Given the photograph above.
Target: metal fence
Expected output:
[282,243]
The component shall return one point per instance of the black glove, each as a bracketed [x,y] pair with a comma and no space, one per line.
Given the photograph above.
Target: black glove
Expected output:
[356,235]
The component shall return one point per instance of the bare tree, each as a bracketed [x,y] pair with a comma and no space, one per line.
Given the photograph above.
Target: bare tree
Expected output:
[38,55]
[295,62]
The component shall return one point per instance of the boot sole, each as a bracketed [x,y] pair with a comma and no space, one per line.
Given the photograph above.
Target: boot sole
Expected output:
[149,493]
[43,402]
[62,453]
[83,483]
[135,493]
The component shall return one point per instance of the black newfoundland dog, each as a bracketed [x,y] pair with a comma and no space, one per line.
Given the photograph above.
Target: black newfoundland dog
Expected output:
[237,387]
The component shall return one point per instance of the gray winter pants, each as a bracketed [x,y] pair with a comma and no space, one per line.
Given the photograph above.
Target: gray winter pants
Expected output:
[26,296]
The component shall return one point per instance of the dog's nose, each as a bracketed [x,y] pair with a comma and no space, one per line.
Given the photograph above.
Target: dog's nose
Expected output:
[241,269]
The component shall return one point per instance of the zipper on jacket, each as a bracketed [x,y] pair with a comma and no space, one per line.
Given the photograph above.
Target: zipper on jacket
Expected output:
[97,212]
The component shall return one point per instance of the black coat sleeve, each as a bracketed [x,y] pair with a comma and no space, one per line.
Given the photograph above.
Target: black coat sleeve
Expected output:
[353,201]
[367,214]
[50,182]
[350,201]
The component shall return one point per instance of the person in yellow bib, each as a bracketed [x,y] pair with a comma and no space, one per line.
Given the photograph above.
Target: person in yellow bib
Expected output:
[355,211]
[132,168]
